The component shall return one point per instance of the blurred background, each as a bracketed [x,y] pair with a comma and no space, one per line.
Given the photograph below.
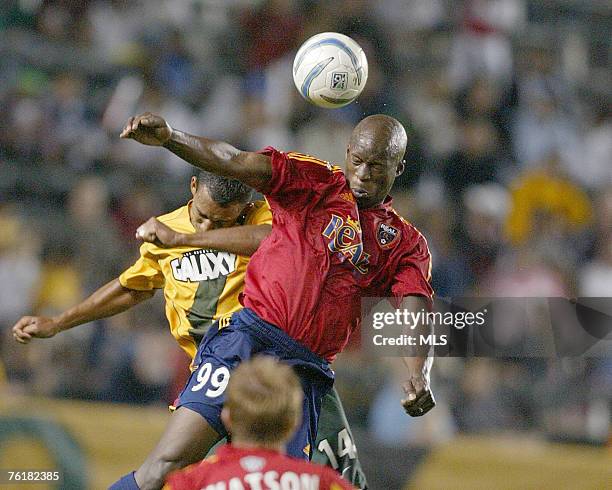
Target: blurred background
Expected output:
[507,107]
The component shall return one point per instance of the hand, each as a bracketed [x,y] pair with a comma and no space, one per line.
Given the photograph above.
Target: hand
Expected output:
[154,231]
[148,129]
[35,326]
[419,398]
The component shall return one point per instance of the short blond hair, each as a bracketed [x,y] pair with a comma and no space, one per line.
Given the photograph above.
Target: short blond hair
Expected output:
[264,398]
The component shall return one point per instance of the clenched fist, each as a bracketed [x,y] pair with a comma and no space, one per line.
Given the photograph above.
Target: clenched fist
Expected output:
[29,327]
[419,399]
[148,129]
[154,231]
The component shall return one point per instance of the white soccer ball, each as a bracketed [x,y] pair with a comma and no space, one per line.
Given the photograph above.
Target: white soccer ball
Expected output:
[330,70]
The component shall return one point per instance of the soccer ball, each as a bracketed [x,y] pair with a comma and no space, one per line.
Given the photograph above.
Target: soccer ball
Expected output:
[330,70]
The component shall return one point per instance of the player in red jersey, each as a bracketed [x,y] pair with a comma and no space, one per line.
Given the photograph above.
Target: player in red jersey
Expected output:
[334,239]
[262,409]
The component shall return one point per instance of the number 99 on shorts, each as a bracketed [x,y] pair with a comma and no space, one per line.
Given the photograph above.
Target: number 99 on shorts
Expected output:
[215,379]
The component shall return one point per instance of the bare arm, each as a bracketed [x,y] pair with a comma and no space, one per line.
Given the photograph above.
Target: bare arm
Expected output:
[418,361]
[217,157]
[241,240]
[110,299]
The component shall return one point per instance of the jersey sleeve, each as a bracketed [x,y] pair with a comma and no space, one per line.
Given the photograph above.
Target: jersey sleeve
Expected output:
[260,214]
[297,177]
[145,274]
[413,275]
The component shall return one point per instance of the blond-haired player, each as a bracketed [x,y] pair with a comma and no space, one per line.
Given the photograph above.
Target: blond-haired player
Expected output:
[262,409]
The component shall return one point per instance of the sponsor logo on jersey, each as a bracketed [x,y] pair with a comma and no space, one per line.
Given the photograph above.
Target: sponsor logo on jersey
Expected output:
[203,265]
[347,196]
[387,235]
[345,238]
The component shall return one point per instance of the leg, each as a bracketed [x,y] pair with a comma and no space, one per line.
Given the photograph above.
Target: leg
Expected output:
[335,444]
[315,381]
[213,450]
[187,439]
[196,424]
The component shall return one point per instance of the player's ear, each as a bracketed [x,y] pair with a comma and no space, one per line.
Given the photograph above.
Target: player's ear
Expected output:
[193,185]
[226,419]
[401,166]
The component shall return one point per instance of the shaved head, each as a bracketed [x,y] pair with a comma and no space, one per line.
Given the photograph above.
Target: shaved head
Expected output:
[374,158]
[386,131]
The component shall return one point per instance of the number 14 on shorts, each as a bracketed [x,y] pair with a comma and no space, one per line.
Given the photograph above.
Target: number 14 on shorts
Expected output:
[346,447]
[219,378]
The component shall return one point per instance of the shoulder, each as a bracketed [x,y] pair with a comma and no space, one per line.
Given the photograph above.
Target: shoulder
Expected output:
[258,210]
[177,214]
[294,172]
[302,162]
[178,219]
[412,238]
[310,160]
[198,474]
[259,213]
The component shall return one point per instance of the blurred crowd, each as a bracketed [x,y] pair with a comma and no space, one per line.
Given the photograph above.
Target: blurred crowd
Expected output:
[507,107]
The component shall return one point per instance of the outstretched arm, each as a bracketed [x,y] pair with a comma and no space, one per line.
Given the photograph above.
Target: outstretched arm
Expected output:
[110,299]
[217,157]
[418,361]
[240,240]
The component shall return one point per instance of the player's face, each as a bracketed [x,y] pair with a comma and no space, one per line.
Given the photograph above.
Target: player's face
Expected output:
[370,170]
[206,214]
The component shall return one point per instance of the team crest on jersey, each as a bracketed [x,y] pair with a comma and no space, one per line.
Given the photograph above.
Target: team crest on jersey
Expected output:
[252,463]
[387,235]
[203,265]
[345,236]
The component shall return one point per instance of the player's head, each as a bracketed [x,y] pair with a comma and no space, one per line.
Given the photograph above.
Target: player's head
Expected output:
[217,202]
[263,404]
[374,158]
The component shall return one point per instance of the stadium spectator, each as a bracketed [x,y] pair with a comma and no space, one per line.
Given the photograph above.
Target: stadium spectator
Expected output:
[482,45]
[477,160]
[595,277]
[19,264]
[544,193]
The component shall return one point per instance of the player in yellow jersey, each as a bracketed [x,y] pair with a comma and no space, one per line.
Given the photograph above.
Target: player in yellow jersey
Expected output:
[198,255]
[200,285]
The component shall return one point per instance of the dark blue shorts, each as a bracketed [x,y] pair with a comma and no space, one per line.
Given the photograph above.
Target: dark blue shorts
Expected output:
[221,350]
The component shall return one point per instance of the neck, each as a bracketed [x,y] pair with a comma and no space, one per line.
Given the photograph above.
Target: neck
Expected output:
[369,204]
[245,443]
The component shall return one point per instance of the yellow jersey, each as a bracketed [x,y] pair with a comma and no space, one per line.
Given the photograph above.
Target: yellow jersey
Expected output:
[200,285]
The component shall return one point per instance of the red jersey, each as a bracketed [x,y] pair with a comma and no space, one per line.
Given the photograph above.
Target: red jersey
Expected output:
[323,255]
[255,469]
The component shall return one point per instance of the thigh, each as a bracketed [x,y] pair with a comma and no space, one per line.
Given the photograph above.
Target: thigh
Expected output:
[315,384]
[218,354]
[335,445]
[186,440]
